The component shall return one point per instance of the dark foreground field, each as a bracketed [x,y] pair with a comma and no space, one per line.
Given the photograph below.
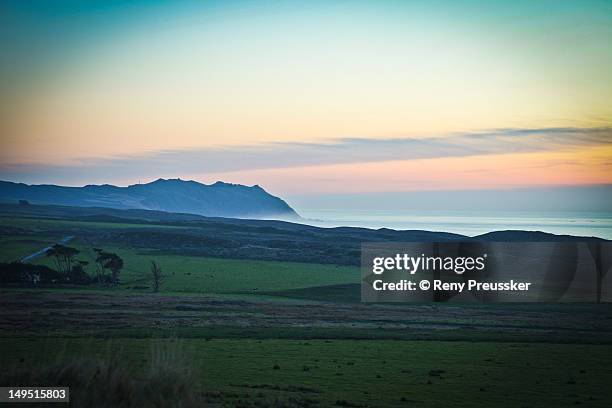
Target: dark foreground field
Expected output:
[256,314]
[282,352]
[380,373]
[109,314]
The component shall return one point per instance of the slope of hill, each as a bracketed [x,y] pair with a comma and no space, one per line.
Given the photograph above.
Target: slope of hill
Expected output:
[194,235]
[173,195]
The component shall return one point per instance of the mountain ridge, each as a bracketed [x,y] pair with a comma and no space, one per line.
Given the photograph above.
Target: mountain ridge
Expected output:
[184,219]
[219,199]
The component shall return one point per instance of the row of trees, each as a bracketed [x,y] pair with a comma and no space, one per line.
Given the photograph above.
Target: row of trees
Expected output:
[108,267]
[69,270]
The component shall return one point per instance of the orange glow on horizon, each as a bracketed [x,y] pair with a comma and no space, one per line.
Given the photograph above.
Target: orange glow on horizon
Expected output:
[576,167]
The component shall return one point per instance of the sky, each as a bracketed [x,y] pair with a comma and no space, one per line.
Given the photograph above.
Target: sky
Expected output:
[308,98]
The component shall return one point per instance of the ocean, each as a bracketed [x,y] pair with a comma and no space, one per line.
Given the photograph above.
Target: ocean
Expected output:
[470,223]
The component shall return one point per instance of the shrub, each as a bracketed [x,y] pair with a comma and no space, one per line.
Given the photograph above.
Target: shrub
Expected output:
[100,383]
[25,274]
[18,273]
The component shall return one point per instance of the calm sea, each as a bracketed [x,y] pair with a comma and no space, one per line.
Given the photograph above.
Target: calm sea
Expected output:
[468,223]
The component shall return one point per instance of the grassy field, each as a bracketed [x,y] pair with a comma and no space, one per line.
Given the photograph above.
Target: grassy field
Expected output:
[364,373]
[13,249]
[213,275]
[294,334]
[194,274]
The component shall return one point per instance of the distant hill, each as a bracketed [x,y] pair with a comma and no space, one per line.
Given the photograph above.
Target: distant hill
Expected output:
[233,238]
[220,225]
[172,195]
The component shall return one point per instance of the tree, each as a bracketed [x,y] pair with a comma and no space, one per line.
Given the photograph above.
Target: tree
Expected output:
[157,276]
[108,261]
[99,266]
[78,275]
[63,257]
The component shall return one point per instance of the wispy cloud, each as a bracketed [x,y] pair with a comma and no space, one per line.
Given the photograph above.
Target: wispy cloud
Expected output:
[288,155]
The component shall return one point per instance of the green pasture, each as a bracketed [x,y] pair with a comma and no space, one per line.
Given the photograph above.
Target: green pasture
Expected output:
[182,273]
[375,373]
[14,248]
[214,275]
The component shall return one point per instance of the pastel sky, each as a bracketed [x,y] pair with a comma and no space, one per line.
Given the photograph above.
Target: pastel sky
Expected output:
[308,97]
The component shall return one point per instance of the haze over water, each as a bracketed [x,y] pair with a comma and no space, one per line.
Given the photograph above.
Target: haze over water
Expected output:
[465,222]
